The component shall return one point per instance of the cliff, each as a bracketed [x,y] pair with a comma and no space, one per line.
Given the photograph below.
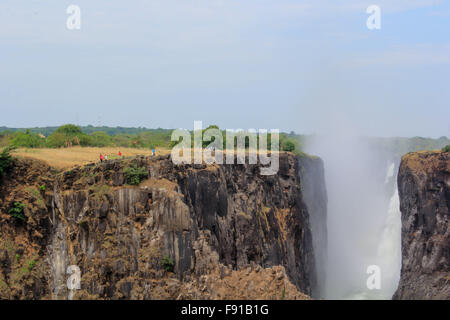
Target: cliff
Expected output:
[423,185]
[314,194]
[185,232]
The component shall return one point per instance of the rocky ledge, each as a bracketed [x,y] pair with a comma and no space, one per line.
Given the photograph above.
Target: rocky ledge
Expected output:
[185,232]
[423,184]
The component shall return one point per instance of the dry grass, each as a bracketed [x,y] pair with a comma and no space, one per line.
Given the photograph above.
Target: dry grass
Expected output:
[65,158]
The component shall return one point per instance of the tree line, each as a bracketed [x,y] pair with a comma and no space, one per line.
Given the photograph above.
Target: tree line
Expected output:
[70,135]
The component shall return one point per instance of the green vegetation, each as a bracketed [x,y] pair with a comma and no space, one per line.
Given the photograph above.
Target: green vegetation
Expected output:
[16,211]
[168,264]
[71,135]
[401,146]
[27,139]
[288,146]
[31,264]
[67,136]
[34,192]
[6,160]
[134,174]
[446,148]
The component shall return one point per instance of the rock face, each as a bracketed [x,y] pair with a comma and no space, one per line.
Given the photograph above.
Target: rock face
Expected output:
[315,197]
[186,232]
[423,184]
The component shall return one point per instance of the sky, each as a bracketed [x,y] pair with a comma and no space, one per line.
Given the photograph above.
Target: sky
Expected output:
[308,66]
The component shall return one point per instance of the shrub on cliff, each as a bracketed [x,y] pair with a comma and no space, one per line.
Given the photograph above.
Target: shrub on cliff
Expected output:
[16,211]
[446,148]
[168,264]
[6,160]
[135,174]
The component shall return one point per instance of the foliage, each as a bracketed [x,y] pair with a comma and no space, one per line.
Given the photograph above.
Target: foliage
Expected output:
[71,135]
[288,146]
[31,264]
[101,139]
[135,174]
[401,146]
[16,211]
[69,130]
[67,136]
[26,139]
[168,264]
[446,148]
[6,160]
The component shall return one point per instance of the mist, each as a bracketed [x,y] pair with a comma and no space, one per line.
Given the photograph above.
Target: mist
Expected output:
[363,218]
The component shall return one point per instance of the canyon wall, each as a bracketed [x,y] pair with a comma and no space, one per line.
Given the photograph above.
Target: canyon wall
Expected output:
[186,232]
[315,197]
[423,185]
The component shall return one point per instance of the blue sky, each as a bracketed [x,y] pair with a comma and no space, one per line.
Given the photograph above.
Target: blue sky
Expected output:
[309,66]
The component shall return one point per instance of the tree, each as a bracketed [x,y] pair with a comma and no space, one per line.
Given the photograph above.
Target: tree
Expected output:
[67,136]
[27,140]
[288,146]
[6,160]
[101,139]
[69,130]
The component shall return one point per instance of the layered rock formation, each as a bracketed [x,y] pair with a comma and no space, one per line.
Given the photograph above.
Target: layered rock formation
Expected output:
[186,232]
[424,190]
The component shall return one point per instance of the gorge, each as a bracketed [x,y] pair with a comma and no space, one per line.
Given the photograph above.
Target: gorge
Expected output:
[226,232]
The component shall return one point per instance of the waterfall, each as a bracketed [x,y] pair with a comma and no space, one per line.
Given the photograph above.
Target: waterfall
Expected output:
[389,173]
[389,249]
[363,218]
[389,246]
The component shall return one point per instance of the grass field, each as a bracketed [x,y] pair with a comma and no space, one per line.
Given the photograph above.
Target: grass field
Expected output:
[65,158]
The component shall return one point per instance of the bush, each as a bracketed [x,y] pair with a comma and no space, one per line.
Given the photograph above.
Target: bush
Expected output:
[168,264]
[16,211]
[135,174]
[31,264]
[27,140]
[6,160]
[446,148]
[289,146]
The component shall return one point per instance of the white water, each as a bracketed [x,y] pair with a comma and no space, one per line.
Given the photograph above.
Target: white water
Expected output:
[389,173]
[389,249]
[363,222]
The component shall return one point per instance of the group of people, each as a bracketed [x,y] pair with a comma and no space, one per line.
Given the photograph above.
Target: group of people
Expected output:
[105,157]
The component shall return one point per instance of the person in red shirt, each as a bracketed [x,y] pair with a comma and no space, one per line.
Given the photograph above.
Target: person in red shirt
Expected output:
[101,157]
[120,154]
